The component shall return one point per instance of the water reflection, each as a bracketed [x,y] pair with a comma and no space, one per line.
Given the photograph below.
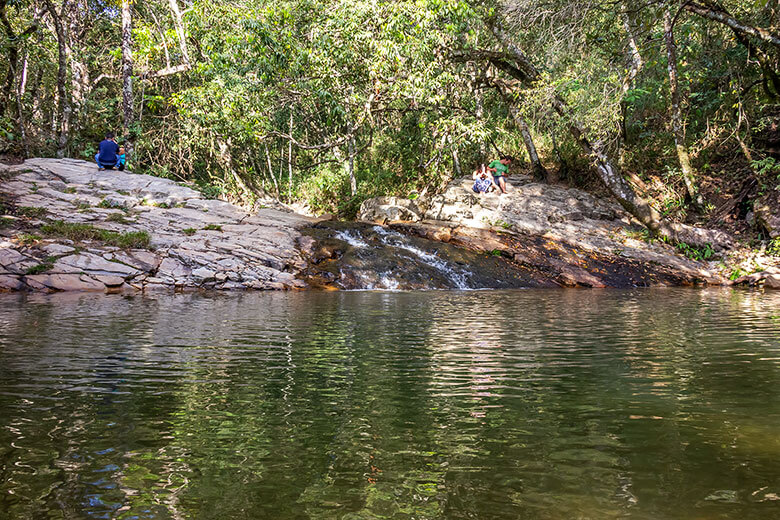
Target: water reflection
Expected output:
[524,404]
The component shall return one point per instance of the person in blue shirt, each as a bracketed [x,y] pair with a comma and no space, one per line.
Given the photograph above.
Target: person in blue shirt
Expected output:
[121,159]
[108,154]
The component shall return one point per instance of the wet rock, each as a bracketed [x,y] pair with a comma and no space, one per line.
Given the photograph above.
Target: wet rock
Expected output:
[551,222]
[63,282]
[769,278]
[9,282]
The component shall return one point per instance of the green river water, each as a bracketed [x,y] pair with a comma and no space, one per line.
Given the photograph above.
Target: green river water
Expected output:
[524,404]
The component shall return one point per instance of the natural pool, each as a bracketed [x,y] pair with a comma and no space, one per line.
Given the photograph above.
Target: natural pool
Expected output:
[527,404]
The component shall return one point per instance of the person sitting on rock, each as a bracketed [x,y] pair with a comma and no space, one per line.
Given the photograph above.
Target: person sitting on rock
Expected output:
[121,159]
[483,183]
[108,154]
[500,169]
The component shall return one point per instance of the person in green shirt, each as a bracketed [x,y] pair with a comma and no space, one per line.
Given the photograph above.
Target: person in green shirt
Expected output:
[500,169]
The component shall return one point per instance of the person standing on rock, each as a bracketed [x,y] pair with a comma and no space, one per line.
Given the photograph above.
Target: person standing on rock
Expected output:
[500,169]
[108,154]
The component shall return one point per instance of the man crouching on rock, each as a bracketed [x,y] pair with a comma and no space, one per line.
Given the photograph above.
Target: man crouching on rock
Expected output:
[500,169]
[107,157]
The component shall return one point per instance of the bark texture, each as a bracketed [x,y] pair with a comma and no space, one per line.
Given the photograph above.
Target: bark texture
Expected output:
[676,111]
[127,64]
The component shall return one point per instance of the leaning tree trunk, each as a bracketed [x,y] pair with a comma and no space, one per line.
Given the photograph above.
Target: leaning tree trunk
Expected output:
[676,111]
[127,66]
[717,14]
[540,172]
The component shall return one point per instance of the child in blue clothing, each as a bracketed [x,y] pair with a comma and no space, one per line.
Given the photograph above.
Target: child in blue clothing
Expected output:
[121,159]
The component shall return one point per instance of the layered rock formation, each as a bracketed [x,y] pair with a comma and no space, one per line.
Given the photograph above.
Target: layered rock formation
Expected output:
[192,241]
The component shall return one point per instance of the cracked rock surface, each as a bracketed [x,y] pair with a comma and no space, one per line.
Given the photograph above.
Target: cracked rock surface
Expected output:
[193,242]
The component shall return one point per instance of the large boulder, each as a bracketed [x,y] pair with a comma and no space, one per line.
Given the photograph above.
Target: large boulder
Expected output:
[390,209]
[767,213]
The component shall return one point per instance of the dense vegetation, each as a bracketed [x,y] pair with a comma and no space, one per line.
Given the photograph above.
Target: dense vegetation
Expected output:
[331,102]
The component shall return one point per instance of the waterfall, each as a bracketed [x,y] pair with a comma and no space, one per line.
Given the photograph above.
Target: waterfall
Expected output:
[368,243]
[357,256]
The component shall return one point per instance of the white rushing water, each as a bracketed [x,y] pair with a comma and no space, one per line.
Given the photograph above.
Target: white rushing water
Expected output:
[351,237]
[460,277]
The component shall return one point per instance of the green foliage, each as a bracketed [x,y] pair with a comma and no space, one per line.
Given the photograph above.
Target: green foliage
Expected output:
[31,212]
[313,73]
[773,248]
[44,266]
[767,167]
[189,231]
[79,232]
[27,239]
[212,227]
[119,218]
[696,253]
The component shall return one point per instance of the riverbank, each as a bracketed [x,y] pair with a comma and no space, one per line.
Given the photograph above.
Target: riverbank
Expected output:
[68,227]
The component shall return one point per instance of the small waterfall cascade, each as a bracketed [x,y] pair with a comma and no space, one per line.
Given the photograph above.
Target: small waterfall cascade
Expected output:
[365,257]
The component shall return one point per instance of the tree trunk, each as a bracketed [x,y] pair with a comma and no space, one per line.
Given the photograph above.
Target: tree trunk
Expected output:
[721,16]
[480,117]
[20,107]
[185,55]
[127,65]
[163,39]
[635,64]
[455,160]
[79,72]
[351,150]
[289,160]
[271,170]
[676,111]
[63,102]
[539,171]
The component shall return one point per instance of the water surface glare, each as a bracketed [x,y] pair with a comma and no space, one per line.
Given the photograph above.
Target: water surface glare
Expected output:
[529,404]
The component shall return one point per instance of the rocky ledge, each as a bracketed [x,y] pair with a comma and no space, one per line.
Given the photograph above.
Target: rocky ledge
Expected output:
[576,239]
[76,228]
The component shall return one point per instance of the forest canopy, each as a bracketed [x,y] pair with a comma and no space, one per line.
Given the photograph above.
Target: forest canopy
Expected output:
[329,102]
